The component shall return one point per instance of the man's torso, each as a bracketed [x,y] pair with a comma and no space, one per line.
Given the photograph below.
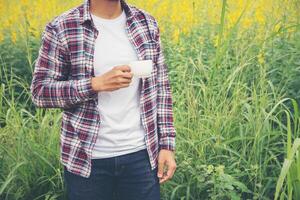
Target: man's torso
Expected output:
[81,124]
[121,129]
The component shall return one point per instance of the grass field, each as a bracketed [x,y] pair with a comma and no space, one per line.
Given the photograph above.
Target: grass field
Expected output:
[234,68]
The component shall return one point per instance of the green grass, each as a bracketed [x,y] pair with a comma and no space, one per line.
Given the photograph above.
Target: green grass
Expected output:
[237,120]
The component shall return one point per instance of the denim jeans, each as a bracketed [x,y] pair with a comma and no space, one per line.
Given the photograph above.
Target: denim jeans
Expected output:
[125,177]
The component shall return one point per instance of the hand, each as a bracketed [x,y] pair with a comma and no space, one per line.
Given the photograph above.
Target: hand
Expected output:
[118,77]
[166,159]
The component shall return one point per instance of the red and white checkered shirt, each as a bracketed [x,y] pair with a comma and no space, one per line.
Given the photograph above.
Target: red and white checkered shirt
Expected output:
[62,79]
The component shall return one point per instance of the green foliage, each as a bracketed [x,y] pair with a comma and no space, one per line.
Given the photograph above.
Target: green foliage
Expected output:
[233,112]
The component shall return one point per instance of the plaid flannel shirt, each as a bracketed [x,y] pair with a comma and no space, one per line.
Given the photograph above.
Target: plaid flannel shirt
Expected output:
[62,79]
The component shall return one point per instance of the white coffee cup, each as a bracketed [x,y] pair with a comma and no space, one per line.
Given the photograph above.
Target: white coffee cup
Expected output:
[141,68]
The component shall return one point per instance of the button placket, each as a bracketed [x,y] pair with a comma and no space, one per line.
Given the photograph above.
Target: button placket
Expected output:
[90,61]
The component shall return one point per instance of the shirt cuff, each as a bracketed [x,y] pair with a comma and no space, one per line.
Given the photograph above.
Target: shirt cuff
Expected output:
[167,142]
[84,89]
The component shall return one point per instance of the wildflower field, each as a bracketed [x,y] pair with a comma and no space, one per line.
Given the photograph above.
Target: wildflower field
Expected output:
[234,67]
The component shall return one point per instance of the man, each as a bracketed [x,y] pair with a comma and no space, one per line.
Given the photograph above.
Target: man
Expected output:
[117,133]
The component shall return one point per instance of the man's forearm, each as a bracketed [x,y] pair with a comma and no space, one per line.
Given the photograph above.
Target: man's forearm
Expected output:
[50,87]
[166,129]
[49,93]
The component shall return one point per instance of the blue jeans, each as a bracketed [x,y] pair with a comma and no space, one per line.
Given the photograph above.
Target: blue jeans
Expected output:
[125,177]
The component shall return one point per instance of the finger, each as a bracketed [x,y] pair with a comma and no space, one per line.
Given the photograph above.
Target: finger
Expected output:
[124,85]
[162,180]
[123,68]
[119,80]
[120,74]
[160,170]
[122,80]
[116,86]
[170,171]
[127,75]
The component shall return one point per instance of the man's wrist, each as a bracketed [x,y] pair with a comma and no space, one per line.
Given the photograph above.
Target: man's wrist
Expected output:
[84,89]
[168,147]
[96,84]
[167,143]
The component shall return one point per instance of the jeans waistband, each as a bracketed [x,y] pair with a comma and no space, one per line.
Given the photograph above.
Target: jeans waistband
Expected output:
[126,157]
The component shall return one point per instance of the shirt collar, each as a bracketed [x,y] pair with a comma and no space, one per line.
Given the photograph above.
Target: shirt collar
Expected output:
[86,15]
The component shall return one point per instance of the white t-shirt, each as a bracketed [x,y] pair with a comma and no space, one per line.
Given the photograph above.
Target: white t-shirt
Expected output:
[121,130]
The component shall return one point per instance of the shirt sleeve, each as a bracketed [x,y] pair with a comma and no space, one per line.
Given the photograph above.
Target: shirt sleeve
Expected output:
[50,87]
[166,129]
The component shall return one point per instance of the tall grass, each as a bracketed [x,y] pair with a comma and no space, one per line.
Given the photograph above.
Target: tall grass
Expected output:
[235,108]
[291,166]
[29,145]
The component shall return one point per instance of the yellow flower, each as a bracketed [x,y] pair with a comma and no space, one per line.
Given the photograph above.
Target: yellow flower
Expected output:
[201,40]
[24,2]
[176,17]
[1,37]
[176,35]
[215,41]
[277,27]
[261,58]
[246,23]
[14,37]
